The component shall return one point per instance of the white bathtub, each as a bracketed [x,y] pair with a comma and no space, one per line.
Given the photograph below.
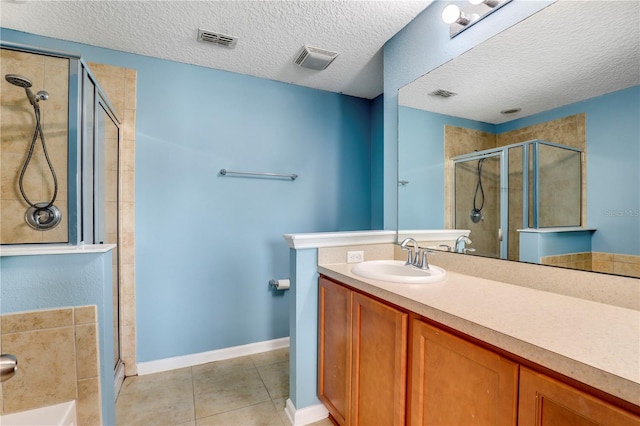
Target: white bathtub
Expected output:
[60,415]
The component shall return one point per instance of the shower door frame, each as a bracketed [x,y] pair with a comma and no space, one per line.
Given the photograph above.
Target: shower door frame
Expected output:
[503,155]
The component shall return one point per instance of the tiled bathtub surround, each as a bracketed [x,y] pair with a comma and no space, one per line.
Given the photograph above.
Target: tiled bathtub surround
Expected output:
[610,263]
[57,353]
[17,124]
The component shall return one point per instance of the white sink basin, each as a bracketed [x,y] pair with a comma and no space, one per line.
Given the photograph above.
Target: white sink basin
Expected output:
[397,271]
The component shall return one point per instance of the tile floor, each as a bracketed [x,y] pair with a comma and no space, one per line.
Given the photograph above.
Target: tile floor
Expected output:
[244,391]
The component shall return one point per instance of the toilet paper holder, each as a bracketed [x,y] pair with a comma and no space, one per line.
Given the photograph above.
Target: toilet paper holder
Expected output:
[282,284]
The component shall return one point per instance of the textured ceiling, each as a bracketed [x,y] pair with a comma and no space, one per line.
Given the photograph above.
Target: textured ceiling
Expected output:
[568,52]
[270,34]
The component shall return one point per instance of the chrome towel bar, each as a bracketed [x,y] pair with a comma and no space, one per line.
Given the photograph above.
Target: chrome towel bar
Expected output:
[225,172]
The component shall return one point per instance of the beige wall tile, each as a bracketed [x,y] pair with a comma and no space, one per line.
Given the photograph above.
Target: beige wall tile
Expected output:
[128,296]
[89,402]
[47,375]
[127,155]
[128,252]
[627,269]
[85,315]
[36,320]
[128,354]
[87,363]
[128,187]
[129,127]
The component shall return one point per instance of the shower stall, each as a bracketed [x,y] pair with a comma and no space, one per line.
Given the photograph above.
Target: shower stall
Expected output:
[528,185]
[59,158]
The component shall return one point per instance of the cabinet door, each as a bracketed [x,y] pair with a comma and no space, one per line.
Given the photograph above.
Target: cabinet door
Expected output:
[334,346]
[379,363]
[454,382]
[545,401]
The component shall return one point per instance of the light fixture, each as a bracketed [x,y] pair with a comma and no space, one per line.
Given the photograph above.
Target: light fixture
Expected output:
[459,19]
[490,3]
[452,14]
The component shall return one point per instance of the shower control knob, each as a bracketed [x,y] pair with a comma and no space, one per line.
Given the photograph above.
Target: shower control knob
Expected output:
[8,366]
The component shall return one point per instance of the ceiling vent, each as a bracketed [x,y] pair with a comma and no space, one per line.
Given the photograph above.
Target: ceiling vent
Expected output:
[217,38]
[442,93]
[314,58]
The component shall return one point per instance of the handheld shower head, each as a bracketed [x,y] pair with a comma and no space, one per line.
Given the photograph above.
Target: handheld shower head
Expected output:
[25,83]
[18,80]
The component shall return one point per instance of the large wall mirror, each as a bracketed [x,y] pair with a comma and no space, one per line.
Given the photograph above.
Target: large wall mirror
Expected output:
[531,140]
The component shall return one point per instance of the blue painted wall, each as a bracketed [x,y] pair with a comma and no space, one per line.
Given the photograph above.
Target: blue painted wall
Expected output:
[57,281]
[421,161]
[418,48]
[377,163]
[534,246]
[206,246]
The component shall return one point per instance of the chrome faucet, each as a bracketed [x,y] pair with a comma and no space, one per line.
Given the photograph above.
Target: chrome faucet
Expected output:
[461,241]
[410,258]
[420,258]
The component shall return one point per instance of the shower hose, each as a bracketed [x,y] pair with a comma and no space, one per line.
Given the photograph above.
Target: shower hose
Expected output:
[479,187]
[38,131]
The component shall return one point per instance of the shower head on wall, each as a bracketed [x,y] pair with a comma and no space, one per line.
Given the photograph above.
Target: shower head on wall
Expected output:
[18,80]
[25,83]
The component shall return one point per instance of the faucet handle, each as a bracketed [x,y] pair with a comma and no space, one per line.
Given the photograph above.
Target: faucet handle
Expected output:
[409,254]
[421,258]
[404,246]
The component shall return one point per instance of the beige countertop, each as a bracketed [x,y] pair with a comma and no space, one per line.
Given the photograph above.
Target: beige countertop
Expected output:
[594,343]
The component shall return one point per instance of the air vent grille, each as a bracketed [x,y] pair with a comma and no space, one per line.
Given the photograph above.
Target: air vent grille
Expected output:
[217,38]
[314,58]
[442,93]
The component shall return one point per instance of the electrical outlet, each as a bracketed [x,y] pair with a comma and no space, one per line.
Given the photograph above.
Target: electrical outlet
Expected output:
[355,256]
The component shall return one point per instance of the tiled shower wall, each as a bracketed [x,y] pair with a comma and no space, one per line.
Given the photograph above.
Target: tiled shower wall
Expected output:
[119,85]
[58,361]
[17,124]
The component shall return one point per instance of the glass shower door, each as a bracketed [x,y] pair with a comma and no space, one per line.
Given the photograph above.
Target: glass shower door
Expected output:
[106,224]
[479,202]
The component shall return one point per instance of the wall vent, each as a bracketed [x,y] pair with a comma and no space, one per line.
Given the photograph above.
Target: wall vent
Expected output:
[442,93]
[314,58]
[217,38]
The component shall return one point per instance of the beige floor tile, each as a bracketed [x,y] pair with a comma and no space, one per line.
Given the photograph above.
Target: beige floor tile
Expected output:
[323,422]
[276,379]
[217,394]
[219,368]
[156,399]
[280,404]
[263,414]
[271,357]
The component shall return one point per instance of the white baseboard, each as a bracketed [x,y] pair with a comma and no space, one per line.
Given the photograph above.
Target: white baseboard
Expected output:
[173,363]
[306,415]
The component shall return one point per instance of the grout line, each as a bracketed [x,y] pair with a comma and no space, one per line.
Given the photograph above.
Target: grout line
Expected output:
[193,396]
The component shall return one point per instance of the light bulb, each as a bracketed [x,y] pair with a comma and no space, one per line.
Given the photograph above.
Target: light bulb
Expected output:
[451,14]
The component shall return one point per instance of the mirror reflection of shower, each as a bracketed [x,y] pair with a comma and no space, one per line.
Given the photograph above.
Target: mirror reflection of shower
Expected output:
[41,216]
[476,212]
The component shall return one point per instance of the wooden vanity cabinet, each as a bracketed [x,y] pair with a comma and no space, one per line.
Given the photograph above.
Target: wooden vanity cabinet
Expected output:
[362,357]
[455,382]
[548,402]
[363,377]
[334,347]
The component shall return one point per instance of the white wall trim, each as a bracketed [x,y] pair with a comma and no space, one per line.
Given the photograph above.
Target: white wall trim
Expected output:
[306,415]
[352,238]
[173,363]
